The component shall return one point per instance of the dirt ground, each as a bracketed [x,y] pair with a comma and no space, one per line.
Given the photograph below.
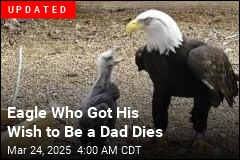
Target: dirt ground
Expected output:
[60,54]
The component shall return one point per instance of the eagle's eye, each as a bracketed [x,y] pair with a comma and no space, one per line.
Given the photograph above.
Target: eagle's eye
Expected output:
[146,21]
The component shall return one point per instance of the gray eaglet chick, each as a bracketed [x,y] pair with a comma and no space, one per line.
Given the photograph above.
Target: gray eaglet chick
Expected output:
[103,96]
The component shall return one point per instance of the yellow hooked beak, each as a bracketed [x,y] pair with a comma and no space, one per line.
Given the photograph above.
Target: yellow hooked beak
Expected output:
[133,26]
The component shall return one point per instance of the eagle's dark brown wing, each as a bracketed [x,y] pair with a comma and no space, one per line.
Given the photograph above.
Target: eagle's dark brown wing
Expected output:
[212,66]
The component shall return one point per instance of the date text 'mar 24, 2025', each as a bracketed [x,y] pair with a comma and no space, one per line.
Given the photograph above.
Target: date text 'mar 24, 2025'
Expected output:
[38,150]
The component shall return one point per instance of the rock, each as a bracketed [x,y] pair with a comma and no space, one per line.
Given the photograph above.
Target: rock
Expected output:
[10,26]
[71,75]
[78,26]
[89,82]
[11,42]
[57,31]
[86,21]
[181,151]
[216,152]
[54,94]
[76,41]
[223,135]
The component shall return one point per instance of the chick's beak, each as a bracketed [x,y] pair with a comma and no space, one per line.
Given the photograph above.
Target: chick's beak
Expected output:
[133,26]
[117,61]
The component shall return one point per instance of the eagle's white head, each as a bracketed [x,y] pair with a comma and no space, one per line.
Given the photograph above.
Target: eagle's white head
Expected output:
[162,32]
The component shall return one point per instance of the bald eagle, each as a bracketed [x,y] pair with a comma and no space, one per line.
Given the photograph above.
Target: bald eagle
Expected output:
[103,96]
[182,67]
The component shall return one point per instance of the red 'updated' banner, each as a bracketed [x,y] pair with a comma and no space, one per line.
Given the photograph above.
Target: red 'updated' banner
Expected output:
[38,9]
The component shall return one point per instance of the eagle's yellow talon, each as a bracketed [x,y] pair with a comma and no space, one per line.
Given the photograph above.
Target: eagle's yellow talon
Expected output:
[201,144]
[161,141]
